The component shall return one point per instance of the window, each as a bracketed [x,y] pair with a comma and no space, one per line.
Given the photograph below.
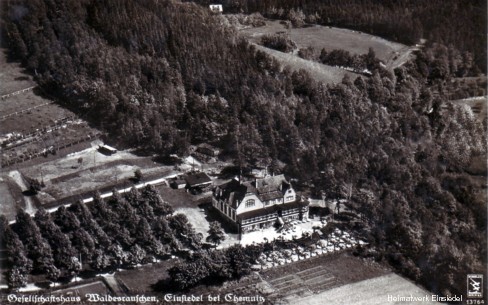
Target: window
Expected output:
[290,198]
[250,203]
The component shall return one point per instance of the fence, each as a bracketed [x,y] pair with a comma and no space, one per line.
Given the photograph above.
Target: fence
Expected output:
[5,96]
[38,132]
[43,152]
[24,110]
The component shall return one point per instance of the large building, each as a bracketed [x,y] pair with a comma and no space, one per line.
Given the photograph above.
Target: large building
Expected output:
[250,206]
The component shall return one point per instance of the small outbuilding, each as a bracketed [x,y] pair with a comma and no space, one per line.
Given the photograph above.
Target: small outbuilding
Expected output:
[107,150]
[208,150]
[198,180]
[216,8]
[178,184]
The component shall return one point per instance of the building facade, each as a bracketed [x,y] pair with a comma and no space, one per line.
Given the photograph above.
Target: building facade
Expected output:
[259,204]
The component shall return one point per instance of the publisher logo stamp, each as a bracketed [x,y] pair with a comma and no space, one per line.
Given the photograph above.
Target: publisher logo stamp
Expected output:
[475,285]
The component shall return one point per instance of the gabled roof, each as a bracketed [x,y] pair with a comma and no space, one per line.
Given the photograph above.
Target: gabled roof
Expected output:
[198,179]
[234,191]
[178,181]
[269,188]
[270,195]
[272,187]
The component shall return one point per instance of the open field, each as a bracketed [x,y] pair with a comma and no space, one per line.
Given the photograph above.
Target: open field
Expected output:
[320,72]
[477,104]
[87,170]
[33,112]
[373,291]
[291,283]
[11,198]
[392,54]
[319,37]
[82,289]
[12,76]
[8,201]
[142,280]
[31,124]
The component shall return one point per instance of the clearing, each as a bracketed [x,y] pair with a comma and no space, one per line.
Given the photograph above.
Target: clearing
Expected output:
[392,54]
[85,171]
[12,76]
[30,124]
[382,290]
[478,105]
[320,72]
[12,200]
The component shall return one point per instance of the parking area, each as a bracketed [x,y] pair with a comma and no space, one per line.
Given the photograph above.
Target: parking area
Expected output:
[335,242]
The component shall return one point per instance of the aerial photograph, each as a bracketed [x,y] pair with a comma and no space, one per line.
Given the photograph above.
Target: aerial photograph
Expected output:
[249,152]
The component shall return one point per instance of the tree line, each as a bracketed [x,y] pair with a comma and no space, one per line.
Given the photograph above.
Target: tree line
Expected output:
[124,230]
[458,23]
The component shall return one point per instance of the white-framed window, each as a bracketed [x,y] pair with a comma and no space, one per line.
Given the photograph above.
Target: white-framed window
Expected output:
[289,198]
[250,203]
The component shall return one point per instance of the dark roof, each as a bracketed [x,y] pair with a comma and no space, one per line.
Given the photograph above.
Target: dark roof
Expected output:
[179,181]
[266,189]
[198,179]
[272,209]
[270,188]
[234,191]
[270,196]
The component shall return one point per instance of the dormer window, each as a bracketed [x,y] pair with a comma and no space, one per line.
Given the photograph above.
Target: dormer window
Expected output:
[250,203]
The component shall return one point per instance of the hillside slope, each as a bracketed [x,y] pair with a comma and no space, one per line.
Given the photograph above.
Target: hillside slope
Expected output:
[159,75]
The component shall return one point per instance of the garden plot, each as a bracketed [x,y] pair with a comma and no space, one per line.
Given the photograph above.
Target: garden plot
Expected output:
[87,170]
[30,124]
[293,283]
[27,112]
[375,291]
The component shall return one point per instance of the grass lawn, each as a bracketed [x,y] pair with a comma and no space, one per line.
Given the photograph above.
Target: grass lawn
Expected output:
[144,279]
[478,105]
[373,291]
[11,198]
[177,198]
[81,290]
[330,38]
[318,71]
[12,76]
[200,214]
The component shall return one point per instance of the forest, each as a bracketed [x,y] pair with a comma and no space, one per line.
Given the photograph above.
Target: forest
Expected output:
[161,75]
[450,22]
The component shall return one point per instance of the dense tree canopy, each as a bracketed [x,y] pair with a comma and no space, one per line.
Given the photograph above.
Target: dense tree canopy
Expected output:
[53,243]
[461,23]
[163,74]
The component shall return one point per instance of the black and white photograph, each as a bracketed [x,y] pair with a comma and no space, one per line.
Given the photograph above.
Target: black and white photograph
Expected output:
[243,152]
